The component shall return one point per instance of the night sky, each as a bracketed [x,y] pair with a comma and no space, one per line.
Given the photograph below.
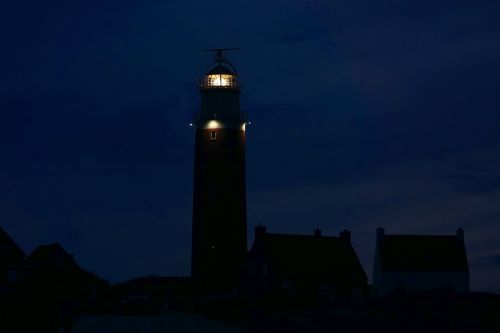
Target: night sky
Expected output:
[364,114]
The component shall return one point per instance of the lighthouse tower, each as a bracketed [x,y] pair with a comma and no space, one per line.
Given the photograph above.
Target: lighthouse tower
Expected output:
[219,244]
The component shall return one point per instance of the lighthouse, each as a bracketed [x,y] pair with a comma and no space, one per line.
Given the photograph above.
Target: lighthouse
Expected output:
[219,234]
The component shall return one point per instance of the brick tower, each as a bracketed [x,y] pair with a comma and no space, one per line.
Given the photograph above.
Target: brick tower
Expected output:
[219,243]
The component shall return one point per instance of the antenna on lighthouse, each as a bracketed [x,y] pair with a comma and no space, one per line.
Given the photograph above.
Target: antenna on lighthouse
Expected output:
[218,52]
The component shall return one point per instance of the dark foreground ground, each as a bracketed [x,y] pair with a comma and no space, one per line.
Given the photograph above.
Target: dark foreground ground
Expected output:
[435,312]
[412,313]
[166,322]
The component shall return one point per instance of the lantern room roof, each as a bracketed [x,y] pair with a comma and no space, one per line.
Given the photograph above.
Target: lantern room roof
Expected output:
[220,69]
[220,65]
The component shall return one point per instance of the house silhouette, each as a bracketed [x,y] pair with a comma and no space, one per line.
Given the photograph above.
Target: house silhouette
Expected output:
[314,263]
[420,263]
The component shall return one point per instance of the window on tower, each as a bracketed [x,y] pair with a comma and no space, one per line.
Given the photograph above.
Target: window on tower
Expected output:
[213,135]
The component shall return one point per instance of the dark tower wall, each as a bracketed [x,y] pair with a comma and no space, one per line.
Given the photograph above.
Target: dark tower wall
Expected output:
[219,244]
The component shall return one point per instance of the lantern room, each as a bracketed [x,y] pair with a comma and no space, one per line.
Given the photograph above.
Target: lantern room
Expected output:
[220,74]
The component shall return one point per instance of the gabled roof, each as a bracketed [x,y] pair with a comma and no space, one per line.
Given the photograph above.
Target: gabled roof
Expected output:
[312,258]
[422,253]
[46,255]
[10,252]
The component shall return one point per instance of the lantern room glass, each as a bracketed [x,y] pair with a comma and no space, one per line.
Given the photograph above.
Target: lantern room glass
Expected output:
[220,80]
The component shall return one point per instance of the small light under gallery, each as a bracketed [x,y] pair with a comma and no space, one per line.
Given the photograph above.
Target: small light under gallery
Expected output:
[213,124]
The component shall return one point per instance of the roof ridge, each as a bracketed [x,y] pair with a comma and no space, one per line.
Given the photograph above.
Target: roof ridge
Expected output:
[6,235]
[300,235]
[413,235]
[49,245]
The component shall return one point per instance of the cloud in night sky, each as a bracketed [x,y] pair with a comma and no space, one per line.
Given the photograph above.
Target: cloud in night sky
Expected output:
[363,115]
[489,260]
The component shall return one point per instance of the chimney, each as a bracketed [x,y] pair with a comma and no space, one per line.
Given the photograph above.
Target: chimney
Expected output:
[317,232]
[380,234]
[345,236]
[460,235]
[260,231]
